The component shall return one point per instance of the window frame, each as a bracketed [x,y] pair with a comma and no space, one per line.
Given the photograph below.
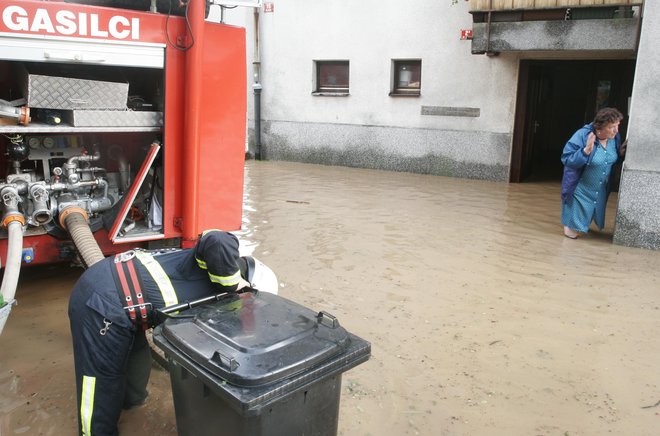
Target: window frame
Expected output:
[405,91]
[324,89]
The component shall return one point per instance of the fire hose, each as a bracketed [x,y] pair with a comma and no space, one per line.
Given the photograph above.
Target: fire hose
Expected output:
[74,220]
[14,222]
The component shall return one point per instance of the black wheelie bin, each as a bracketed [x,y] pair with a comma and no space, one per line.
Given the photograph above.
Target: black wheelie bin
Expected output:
[257,364]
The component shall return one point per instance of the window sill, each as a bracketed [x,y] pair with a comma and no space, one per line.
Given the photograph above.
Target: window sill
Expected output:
[330,94]
[405,94]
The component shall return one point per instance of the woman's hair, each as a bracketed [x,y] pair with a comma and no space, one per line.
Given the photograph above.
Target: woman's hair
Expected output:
[605,116]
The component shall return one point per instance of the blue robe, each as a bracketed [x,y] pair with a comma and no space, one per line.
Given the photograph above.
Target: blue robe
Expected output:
[589,198]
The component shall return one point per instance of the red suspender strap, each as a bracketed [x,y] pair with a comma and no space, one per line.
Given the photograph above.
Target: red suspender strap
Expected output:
[131,291]
[138,294]
[125,289]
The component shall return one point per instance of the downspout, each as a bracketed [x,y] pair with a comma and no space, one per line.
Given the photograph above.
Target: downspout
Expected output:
[257,87]
[639,27]
[490,11]
[191,128]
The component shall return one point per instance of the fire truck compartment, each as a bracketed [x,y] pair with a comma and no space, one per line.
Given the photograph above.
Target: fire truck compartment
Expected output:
[132,170]
[87,158]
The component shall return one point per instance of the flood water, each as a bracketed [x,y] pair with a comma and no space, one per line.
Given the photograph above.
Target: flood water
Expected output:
[483,318]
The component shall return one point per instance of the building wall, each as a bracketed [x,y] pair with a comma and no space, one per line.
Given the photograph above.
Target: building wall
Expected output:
[369,128]
[638,213]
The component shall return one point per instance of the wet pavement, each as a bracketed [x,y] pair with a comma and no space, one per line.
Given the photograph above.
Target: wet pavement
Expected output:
[484,319]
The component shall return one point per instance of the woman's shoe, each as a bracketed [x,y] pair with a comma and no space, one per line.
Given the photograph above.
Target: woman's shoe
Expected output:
[570,233]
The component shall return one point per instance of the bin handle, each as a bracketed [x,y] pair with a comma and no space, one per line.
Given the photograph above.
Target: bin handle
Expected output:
[228,363]
[173,310]
[190,304]
[327,320]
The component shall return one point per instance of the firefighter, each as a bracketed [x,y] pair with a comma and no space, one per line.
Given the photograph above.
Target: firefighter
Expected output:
[111,307]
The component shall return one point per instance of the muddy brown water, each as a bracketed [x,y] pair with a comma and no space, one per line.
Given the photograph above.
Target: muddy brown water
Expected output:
[483,318]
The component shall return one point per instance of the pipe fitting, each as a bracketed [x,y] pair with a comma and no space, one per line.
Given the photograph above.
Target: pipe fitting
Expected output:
[10,218]
[41,213]
[70,210]
[74,220]
[10,200]
[71,167]
[73,161]
[21,114]
[70,171]
[124,174]
[24,115]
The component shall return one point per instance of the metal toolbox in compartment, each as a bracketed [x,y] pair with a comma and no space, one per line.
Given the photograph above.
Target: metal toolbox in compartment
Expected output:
[62,86]
[115,118]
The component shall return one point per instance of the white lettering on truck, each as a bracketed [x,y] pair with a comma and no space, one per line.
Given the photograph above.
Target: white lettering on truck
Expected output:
[67,20]
[69,23]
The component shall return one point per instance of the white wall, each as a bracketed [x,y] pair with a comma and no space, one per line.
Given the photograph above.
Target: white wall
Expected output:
[368,127]
[369,34]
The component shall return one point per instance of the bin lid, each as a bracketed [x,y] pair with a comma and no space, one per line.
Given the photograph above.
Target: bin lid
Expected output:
[255,338]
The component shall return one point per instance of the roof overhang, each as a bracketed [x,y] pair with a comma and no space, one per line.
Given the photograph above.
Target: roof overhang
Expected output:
[616,35]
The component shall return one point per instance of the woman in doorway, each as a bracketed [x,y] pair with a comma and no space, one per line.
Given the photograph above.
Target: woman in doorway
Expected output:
[588,158]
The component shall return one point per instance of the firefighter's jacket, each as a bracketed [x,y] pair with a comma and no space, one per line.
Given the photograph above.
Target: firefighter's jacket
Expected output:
[111,354]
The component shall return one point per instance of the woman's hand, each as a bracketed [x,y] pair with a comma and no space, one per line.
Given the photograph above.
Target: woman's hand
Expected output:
[591,140]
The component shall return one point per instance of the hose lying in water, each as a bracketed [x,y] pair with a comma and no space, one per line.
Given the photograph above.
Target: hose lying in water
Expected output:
[74,220]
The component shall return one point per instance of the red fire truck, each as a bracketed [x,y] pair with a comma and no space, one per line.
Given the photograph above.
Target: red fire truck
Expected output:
[120,127]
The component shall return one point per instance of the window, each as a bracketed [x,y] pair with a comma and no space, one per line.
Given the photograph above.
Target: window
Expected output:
[331,77]
[406,77]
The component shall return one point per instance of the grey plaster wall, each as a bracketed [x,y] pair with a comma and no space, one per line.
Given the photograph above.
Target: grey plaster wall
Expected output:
[638,214]
[468,154]
[578,35]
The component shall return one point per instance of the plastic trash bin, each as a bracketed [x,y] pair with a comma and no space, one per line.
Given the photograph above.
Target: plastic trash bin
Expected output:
[257,364]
